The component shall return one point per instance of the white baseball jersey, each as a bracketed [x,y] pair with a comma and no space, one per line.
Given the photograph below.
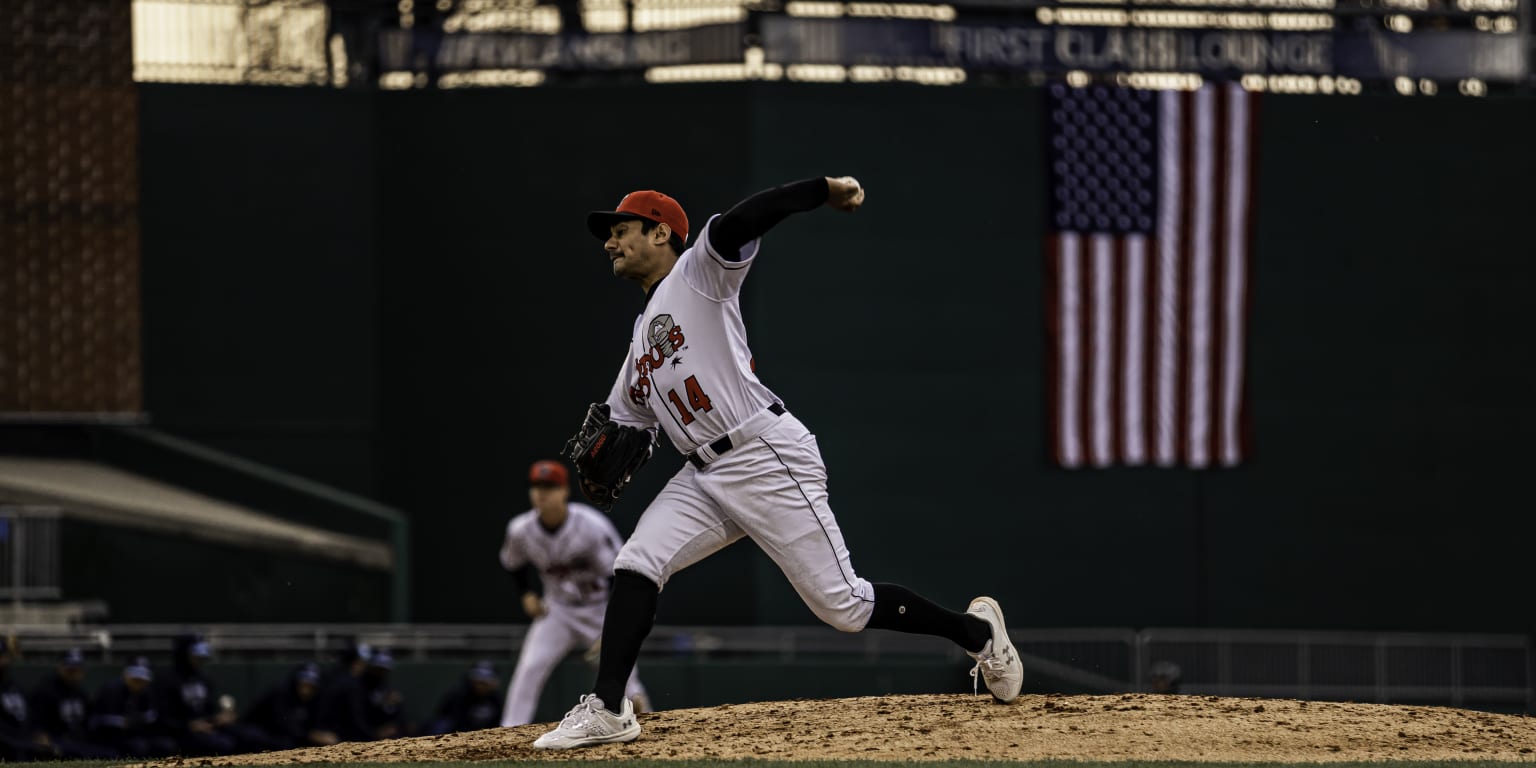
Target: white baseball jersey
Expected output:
[690,371]
[576,565]
[575,562]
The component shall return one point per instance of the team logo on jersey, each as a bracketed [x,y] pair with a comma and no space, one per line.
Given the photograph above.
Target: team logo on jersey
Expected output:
[575,565]
[661,334]
[666,338]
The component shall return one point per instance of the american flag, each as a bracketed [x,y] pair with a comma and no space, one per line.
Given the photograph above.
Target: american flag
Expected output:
[1148,291]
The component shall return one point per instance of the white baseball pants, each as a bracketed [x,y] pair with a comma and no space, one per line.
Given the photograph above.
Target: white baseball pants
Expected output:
[772,488]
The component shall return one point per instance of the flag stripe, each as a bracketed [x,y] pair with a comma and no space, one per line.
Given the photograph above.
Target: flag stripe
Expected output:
[1220,140]
[1199,329]
[1101,418]
[1238,158]
[1187,151]
[1132,351]
[1117,351]
[1083,259]
[1170,216]
[1067,254]
[1149,355]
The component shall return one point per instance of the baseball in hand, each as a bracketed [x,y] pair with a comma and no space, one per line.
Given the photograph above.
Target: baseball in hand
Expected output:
[845,193]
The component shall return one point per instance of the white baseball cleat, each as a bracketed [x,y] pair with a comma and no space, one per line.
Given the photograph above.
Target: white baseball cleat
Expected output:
[588,723]
[997,661]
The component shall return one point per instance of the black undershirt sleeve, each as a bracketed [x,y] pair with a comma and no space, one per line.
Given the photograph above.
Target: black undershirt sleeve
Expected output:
[754,216]
[522,579]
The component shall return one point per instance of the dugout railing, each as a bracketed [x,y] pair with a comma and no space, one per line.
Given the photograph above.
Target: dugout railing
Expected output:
[1479,670]
[1487,671]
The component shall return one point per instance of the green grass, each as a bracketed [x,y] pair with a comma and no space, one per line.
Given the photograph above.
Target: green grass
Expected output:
[871,764]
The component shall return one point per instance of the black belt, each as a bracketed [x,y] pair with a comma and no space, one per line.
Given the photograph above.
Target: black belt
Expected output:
[724,443]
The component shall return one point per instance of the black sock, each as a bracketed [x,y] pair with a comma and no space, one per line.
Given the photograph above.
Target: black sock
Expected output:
[900,609]
[631,613]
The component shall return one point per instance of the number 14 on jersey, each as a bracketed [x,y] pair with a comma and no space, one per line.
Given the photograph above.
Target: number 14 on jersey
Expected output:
[696,398]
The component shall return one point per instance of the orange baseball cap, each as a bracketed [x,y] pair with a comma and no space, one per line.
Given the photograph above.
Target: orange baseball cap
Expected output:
[548,473]
[644,204]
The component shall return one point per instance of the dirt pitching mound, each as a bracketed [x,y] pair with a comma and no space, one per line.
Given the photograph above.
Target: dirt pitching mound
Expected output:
[950,727]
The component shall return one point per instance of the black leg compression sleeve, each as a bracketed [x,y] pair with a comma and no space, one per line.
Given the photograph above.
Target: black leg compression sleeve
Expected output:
[628,620]
[900,609]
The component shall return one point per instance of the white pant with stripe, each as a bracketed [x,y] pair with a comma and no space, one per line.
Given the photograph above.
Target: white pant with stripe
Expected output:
[772,488]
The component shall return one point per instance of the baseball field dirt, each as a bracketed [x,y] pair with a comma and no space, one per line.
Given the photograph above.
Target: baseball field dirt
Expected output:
[961,727]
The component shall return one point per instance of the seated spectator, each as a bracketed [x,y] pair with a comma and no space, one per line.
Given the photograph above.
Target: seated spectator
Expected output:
[61,709]
[385,715]
[474,704]
[343,703]
[124,716]
[20,736]
[202,722]
[288,713]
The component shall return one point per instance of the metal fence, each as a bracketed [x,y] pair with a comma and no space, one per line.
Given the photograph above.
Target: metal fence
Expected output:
[1483,671]
[29,553]
[1454,669]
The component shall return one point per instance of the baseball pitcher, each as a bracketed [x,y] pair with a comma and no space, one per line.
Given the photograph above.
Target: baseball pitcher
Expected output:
[752,469]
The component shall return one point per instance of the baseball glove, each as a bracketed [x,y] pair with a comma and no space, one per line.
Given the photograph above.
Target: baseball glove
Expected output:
[607,454]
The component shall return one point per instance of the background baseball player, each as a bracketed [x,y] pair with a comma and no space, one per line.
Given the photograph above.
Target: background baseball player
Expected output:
[752,468]
[572,546]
